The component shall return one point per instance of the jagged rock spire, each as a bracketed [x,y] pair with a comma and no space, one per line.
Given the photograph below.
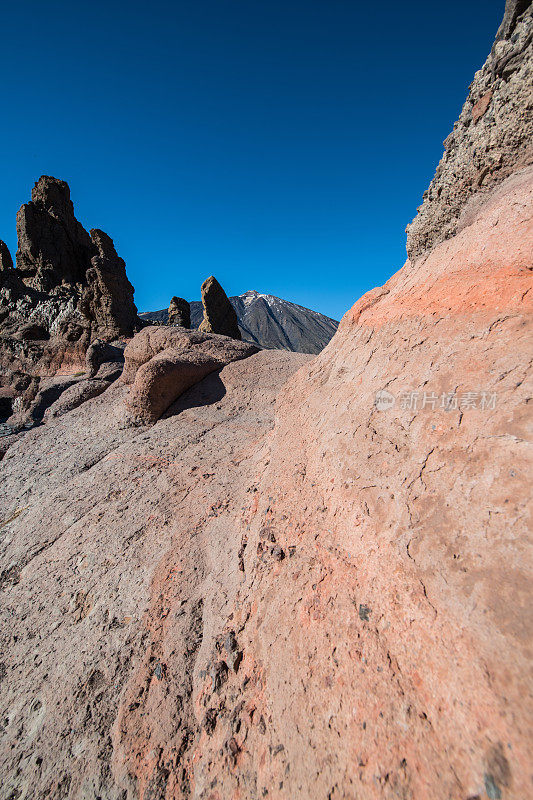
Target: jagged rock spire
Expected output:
[6,262]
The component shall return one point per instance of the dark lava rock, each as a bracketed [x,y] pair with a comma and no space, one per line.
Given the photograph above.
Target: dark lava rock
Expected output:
[53,247]
[69,289]
[6,262]
[108,299]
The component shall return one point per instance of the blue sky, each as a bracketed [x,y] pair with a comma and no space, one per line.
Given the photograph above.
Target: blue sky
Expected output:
[281,145]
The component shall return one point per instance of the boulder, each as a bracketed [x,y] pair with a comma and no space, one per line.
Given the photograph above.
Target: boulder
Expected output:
[179,312]
[162,362]
[219,314]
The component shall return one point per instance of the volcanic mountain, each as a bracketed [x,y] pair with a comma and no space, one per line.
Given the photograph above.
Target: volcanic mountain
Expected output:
[270,322]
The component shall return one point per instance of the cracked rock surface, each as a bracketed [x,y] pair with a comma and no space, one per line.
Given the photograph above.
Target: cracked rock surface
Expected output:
[309,578]
[330,602]
[492,138]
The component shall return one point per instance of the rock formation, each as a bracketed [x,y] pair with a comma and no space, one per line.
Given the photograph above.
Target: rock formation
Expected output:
[219,314]
[6,262]
[69,288]
[179,312]
[107,301]
[492,138]
[267,321]
[311,578]
[58,259]
[162,363]
[54,249]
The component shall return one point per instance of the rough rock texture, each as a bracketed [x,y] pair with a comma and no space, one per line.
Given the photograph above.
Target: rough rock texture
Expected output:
[492,138]
[267,321]
[337,607]
[389,655]
[179,312]
[108,298]
[122,525]
[57,258]
[297,584]
[162,362]
[54,249]
[219,314]
[69,289]
[73,396]
[6,262]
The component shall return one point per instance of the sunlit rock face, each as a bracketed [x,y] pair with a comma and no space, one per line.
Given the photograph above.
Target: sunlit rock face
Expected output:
[219,314]
[310,577]
[492,138]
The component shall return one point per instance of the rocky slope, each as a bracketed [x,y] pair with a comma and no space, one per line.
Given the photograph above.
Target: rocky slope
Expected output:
[310,577]
[269,322]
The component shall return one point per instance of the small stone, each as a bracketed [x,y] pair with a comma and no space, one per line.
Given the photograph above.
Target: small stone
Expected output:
[267,533]
[230,642]
[492,788]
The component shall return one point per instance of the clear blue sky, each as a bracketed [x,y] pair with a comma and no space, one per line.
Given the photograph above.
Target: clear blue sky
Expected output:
[282,145]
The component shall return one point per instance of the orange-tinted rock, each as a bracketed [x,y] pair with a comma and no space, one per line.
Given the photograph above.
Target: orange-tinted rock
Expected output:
[481,106]
[390,654]
[297,584]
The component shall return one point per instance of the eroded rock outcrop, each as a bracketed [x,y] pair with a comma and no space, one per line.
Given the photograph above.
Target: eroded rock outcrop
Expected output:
[492,138]
[299,584]
[179,312]
[6,262]
[60,261]
[69,288]
[107,301]
[163,362]
[54,249]
[219,314]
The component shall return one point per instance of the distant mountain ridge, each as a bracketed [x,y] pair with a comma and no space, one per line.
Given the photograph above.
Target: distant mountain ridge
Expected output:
[269,322]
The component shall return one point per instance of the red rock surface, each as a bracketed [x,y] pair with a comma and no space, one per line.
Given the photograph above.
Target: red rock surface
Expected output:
[310,578]
[390,656]
[337,608]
